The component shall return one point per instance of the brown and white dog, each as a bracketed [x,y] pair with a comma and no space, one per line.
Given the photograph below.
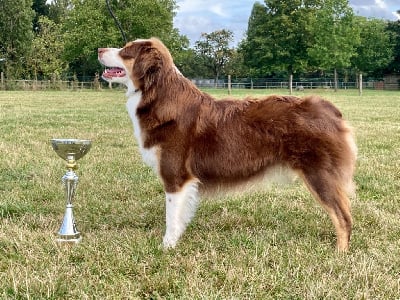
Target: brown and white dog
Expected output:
[194,142]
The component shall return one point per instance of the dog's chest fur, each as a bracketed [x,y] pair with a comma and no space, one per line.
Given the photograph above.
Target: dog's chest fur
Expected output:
[149,155]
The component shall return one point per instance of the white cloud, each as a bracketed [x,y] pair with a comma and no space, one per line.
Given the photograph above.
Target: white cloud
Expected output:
[189,6]
[381,9]
[218,10]
[381,4]
[193,26]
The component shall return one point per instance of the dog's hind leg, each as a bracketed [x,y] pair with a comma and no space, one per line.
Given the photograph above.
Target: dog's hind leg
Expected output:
[180,208]
[331,193]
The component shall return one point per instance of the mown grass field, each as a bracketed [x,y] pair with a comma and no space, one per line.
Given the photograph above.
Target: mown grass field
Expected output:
[278,244]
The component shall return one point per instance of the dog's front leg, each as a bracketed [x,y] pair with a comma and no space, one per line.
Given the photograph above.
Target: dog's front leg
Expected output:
[180,209]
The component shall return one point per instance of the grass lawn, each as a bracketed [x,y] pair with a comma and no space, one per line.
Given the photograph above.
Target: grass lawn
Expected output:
[278,244]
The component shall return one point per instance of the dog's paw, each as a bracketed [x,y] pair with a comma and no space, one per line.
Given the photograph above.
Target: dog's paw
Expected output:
[169,243]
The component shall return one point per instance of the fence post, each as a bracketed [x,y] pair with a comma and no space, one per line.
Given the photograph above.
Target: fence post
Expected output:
[360,84]
[229,85]
[335,79]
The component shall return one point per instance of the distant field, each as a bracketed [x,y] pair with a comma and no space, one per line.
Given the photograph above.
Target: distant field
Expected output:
[268,245]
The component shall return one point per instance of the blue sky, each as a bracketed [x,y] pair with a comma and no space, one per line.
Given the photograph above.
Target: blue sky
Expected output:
[197,16]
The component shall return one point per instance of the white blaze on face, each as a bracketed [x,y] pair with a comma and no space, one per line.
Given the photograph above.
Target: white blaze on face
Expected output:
[115,69]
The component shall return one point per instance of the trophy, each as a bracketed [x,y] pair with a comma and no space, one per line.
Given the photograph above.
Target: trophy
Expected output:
[70,150]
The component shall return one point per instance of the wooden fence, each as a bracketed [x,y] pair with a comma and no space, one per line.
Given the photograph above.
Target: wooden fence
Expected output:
[96,84]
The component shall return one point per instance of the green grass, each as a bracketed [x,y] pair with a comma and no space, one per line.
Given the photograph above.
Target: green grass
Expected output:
[267,245]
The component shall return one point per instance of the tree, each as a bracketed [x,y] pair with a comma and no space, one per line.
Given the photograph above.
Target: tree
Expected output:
[187,64]
[336,35]
[47,49]
[59,9]
[87,26]
[185,58]
[41,9]
[300,35]
[236,66]
[278,37]
[147,18]
[15,35]
[394,30]
[139,19]
[214,52]
[253,48]
[375,50]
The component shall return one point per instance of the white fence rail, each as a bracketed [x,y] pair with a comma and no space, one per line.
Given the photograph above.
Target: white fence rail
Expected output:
[299,85]
[32,85]
[202,83]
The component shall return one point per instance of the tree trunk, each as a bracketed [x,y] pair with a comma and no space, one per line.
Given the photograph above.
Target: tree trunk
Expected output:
[216,80]
[360,84]
[291,84]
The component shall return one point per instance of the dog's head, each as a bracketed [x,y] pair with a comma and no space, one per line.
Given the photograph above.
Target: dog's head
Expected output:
[138,64]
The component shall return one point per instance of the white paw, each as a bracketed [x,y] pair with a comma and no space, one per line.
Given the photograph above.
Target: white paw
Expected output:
[169,242]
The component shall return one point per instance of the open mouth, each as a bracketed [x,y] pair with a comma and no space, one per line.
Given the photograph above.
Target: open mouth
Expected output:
[114,72]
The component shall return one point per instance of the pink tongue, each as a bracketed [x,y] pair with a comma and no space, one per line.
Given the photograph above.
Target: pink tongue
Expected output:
[114,72]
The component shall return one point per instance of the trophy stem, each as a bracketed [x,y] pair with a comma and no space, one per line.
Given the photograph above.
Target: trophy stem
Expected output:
[68,231]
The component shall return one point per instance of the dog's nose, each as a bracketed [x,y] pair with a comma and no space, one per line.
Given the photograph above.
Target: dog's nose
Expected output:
[100,51]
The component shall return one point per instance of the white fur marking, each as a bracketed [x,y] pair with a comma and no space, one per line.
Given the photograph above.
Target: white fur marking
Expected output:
[149,155]
[111,58]
[180,209]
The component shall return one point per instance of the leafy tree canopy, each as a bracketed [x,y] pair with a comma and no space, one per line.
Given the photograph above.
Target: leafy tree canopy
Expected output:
[41,9]
[15,35]
[394,30]
[138,19]
[277,37]
[335,35]
[298,36]
[376,47]
[47,48]
[213,50]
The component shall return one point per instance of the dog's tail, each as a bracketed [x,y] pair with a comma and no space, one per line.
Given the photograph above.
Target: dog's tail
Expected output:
[342,146]
[348,171]
[332,184]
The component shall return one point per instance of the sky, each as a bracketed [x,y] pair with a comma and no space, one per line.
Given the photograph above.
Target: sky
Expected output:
[195,17]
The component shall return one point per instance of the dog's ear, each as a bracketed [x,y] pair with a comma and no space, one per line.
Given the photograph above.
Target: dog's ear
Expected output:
[129,51]
[147,66]
[147,61]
